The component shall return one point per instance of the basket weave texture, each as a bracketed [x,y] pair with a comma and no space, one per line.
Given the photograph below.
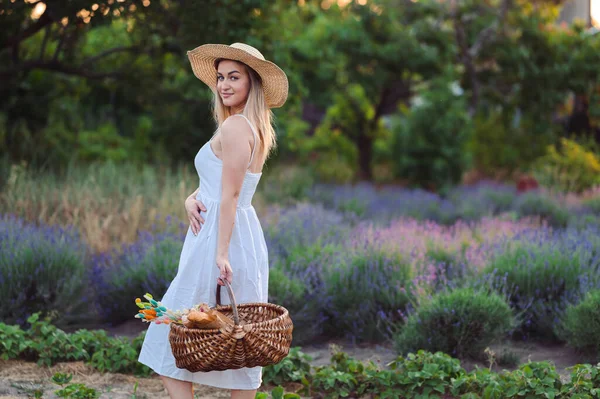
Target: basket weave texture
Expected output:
[261,336]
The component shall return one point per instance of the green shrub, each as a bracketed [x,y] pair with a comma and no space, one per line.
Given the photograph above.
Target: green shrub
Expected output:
[432,151]
[331,168]
[42,269]
[568,168]
[501,146]
[580,326]
[461,322]
[537,204]
[287,185]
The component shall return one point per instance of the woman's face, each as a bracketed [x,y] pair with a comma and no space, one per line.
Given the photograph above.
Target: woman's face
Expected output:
[233,84]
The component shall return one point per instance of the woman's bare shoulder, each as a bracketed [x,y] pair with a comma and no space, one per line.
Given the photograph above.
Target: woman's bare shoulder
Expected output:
[234,125]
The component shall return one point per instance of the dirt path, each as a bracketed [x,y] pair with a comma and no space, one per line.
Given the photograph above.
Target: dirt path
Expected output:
[18,379]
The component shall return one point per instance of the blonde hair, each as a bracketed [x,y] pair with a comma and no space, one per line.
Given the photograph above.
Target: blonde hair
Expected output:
[255,109]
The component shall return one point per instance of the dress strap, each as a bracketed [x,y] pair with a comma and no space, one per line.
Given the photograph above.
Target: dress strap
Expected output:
[255,137]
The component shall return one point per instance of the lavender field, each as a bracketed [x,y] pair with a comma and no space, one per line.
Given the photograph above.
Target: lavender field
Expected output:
[367,264]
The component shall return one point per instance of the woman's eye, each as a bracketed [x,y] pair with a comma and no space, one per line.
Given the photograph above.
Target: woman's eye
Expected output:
[234,78]
[219,78]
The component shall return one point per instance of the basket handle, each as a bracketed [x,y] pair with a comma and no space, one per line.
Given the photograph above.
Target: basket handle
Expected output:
[236,318]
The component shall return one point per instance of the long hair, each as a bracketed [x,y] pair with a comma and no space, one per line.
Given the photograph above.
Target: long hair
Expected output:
[256,110]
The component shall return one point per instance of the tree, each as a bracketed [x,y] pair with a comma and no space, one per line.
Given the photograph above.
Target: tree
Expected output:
[382,47]
[116,62]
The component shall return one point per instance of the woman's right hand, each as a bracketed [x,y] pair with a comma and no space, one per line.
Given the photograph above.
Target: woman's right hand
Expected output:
[193,208]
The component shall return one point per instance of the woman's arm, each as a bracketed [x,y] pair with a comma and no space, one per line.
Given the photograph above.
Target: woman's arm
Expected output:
[236,141]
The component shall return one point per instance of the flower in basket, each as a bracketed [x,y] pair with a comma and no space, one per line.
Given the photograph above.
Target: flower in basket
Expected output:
[155,312]
[199,316]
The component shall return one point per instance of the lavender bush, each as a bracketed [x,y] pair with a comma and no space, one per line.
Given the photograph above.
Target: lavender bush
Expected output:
[482,200]
[542,271]
[149,265]
[381,205]
[538,204]
[463,203]
[301,226]
[365,286]
[42,268]
[302,298]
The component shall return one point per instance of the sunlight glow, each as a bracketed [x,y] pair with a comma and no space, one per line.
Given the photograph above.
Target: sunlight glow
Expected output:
[38,10]
[595,12]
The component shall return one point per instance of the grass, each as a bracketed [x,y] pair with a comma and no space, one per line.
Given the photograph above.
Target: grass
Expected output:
[109,203]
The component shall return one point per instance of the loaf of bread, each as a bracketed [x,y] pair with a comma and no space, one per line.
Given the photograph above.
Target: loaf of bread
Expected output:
[206,320]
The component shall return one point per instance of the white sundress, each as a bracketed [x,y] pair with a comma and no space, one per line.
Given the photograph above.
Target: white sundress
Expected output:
[197,273]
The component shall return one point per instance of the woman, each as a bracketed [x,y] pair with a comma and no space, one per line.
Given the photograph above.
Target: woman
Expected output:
[224,229]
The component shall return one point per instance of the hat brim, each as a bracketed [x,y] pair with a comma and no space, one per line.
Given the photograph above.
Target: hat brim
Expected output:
[274,80]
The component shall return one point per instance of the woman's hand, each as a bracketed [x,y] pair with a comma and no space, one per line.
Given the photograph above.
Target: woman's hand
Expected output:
[193,208]
[226,272]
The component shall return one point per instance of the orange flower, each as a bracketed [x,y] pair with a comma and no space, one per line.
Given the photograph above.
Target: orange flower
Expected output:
[149,313]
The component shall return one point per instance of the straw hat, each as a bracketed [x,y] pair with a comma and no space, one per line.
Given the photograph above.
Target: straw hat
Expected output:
[274,80]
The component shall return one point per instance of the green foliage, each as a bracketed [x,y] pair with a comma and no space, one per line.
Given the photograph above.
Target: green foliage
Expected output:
[426,373]
[119,355]
[13,341]
[75,391]
[580,324]
[277,393]
[349,125]
[287,185]
[570,168]
[294,368]
[538,204]
[461,322]
[501,144]
[585,380]
[102,145]
[422,374]
[432,151]
[363,284]
[47,344]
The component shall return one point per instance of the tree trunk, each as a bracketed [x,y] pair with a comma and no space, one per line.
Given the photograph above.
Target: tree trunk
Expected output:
[364,143]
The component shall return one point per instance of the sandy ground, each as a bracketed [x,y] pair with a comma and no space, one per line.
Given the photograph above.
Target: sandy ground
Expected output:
[18,379]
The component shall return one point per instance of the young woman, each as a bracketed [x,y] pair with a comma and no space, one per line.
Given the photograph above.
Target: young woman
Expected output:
[225,239]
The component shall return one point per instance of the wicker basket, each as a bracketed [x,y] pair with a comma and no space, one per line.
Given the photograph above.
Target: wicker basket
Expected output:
[261,335]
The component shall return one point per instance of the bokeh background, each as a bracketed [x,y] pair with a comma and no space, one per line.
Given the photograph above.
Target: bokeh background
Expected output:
[429,151]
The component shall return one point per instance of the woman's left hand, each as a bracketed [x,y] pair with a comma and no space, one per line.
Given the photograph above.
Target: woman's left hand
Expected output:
[226,272]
